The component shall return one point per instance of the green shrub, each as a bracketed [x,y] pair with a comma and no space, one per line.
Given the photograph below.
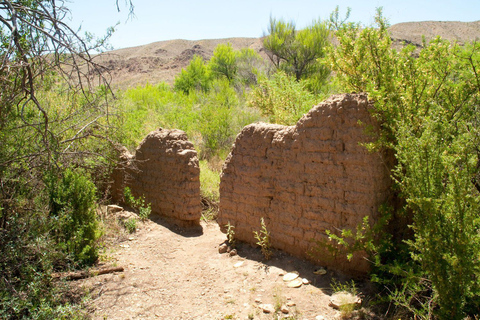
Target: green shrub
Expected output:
[73,212]
[195,77]
[427,104]
[210,119]
[131,225]
[224,62]
[298,52]
[281,98]
[144,210]
[209,182]
[251,67]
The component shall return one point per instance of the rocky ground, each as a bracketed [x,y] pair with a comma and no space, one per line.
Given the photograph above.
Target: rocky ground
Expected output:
[172,273]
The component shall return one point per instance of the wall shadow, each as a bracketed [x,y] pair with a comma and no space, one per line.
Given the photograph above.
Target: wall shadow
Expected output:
[188,229]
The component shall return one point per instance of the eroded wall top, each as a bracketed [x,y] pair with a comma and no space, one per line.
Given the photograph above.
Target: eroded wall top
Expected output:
[165,170]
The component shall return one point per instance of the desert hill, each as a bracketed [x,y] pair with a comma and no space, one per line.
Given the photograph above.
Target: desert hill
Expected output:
[161,61]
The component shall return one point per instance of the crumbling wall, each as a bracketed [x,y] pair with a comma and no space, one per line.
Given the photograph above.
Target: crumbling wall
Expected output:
[305,179]
[165,170]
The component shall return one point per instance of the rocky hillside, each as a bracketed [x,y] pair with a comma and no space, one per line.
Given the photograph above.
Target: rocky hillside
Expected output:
[161,61]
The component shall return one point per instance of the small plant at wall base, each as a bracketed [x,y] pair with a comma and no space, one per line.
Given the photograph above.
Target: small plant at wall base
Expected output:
[144,211]
[263,240]
[131,225]
[231,235]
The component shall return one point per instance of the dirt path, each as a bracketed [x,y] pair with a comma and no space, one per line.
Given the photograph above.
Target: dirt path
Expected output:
[176,274]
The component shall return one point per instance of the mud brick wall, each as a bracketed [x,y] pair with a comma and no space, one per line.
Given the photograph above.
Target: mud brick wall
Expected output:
[165,170]
[305,179]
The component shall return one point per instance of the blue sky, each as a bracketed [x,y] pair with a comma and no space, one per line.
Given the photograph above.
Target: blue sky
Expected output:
[211,19]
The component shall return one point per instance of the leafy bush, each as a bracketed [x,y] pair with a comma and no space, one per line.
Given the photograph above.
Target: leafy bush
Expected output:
[250,67]
[144,210]
[72,208]
[224,62]
[282,99]
[131,225]
[210,119]
[195,77]
[298,52]
[428,109]
[209,182]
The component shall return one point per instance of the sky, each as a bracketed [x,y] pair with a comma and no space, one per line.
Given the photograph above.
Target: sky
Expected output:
[158,20]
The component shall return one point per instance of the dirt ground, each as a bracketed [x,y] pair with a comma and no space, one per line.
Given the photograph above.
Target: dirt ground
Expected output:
[173,273]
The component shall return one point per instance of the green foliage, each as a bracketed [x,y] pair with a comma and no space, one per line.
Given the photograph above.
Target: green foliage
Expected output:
[231,235]
[250,66]
[282,99]
[263,240]
[131,225]
[211,119]
[348,286]
[72,208]
[335,23]
[298,52]
[144,210]
[224,62]
[209,182]
[427,103]
[195,77]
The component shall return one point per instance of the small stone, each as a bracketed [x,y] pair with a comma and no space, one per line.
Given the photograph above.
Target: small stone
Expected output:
[284,309]
[343,298]
[124,246]
[222,248]
[131,238]
[258,300]
[305,281]
[291,304]
[297,283]
[267,308]
[320,271]
[277,271]
[238,264]
[233,253]
[229,249]
[290,276]
[319,318]
[113,208]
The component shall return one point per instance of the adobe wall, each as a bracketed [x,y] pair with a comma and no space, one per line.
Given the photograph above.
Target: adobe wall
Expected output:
[165,170]
[305,179]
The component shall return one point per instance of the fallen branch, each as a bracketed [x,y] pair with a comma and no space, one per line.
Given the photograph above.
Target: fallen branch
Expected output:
[86,274]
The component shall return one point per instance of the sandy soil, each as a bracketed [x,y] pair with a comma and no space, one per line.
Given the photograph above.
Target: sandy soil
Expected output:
[172,273]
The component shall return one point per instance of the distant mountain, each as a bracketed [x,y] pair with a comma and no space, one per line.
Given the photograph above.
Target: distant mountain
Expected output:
[161,61]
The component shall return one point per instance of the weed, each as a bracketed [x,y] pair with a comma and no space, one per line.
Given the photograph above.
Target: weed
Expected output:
[349,287]
[263,240]
[345,308]
[144,210]
[278,298]
[209,215]
[131,225]
[231,235]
